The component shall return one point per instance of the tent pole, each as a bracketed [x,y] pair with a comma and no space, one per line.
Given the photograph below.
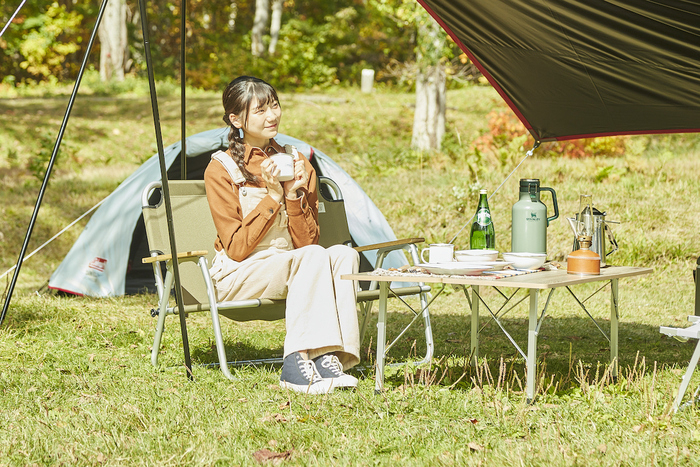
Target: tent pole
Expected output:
[52,161]
[183,129]
[166,189]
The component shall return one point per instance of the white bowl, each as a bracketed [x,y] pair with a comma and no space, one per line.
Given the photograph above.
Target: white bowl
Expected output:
[525,260]
[476,256]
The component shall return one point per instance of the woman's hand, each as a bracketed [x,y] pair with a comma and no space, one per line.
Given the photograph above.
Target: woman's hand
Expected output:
[270,172]
[301,179]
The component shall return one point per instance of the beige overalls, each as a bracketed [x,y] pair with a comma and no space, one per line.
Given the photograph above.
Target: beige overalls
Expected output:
[321,314]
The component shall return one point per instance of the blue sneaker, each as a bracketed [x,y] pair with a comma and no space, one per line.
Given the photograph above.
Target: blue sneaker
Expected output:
[301,376]
[330,368]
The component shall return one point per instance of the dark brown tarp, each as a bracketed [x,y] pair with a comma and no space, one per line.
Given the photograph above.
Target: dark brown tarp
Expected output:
[573,69]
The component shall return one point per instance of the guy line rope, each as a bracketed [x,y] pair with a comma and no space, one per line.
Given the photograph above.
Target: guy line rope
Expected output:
[54,237]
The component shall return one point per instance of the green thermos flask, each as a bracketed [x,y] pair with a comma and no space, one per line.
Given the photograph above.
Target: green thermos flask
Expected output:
[530,221]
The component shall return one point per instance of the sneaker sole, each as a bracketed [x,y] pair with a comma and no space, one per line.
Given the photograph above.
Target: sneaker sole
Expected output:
[347,382]
[317,388]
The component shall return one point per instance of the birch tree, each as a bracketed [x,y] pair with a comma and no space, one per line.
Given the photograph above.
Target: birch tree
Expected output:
[113,41]
[429,117]
[262,15]
[275,25]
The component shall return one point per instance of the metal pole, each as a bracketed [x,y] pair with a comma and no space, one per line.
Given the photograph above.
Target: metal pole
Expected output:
[166,189]
[52,161]
[183,130]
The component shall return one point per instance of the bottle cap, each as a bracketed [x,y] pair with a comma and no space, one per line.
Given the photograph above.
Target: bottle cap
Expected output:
[482,192]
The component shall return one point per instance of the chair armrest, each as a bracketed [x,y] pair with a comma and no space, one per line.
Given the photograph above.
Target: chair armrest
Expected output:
[389,246]
[183,255]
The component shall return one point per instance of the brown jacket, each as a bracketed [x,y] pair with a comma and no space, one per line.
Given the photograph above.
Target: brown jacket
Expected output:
[238,235]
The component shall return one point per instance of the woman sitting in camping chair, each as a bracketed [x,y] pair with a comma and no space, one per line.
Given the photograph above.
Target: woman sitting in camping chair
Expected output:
[267,235]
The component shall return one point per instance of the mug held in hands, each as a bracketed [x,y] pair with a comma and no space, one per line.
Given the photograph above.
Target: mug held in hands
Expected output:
[285,163]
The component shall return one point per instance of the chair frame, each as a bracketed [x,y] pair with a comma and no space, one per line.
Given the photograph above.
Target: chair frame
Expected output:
[683,334]
[274,308]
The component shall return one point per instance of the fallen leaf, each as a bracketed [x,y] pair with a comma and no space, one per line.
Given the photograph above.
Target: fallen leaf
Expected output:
[278,417]
[475,447]
[637,428]
[265,455]
[602,448]
[285,405]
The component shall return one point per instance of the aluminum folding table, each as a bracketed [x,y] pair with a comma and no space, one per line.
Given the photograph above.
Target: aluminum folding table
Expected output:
[533,282]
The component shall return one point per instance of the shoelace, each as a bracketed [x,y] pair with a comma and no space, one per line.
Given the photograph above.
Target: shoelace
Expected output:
[333,364]
[308,369]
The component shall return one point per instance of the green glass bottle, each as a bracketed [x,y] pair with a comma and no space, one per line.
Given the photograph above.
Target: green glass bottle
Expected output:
[483,235]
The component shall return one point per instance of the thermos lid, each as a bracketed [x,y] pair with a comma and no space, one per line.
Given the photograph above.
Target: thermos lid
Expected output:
[526,183]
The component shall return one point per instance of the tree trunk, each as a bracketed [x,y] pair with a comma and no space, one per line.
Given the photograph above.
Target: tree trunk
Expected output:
[275,25]
[113,42]
[232,16]
[262,15]
[429,118]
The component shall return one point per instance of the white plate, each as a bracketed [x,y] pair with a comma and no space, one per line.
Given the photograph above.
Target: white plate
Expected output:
[455,268]
[496,265]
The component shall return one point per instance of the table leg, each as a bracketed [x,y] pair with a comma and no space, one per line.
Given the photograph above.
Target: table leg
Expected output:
[381,336]
[532,349]
[475,325]
[614,317]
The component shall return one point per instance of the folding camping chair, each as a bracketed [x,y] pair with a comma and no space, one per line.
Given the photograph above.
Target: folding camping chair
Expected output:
[195,232]
[683,334]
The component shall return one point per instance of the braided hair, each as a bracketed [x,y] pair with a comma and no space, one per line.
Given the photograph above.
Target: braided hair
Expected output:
[237,98]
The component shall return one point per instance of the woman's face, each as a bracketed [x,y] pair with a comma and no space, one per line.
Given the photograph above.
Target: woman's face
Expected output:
[262,123]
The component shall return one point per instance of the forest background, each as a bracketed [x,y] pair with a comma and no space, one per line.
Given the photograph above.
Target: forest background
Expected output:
[320,43]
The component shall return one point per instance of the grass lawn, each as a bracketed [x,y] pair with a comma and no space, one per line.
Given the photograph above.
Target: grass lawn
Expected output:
[77,387]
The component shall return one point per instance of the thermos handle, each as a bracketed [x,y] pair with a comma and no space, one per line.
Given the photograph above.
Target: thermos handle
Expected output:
[611,238]
[554,200]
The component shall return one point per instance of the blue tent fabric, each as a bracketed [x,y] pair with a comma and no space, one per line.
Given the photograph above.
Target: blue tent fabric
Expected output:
[97,263]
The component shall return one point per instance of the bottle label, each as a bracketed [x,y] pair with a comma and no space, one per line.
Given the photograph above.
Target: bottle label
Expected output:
[483,217]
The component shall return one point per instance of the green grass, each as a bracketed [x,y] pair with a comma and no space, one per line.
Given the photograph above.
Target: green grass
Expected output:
[77,387]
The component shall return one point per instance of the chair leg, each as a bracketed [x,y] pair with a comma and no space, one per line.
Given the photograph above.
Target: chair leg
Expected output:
[162,312]
[216,324]
[686,378]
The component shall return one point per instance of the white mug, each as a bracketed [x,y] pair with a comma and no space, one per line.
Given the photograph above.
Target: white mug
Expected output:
[439,253]
[284,162]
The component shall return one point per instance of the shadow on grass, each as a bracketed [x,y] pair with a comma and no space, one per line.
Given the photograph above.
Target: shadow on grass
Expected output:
[567,346]
[564,343]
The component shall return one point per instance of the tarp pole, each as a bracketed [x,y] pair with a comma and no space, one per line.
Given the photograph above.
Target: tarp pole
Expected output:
[166,189]
[52,161]
[183,129]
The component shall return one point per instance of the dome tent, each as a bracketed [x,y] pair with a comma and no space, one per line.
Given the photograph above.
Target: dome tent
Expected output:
[106,258]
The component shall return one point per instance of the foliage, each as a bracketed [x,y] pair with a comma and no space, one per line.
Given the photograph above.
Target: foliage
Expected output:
[320,43]
[44,41]
[507,133]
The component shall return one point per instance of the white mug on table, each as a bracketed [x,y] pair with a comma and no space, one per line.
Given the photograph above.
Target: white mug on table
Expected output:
[439,253]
